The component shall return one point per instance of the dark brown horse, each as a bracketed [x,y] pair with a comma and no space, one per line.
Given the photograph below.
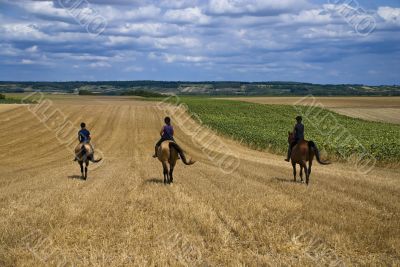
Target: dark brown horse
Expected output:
[84,154]
[168,155]
[303,152]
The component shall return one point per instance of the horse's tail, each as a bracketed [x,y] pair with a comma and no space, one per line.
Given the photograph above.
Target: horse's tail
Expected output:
[181,153]
[313,147]
[95,160]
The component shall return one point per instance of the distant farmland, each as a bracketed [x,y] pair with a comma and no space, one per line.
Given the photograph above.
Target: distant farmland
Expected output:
[266,127]
[210,88]
[382,109]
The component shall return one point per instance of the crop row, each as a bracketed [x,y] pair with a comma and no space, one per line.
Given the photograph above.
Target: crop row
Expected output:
[266,127]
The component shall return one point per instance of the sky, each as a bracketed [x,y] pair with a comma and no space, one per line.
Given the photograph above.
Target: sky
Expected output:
[332,41]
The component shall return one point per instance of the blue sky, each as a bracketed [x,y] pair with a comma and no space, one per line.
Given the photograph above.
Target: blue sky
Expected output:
[332,41]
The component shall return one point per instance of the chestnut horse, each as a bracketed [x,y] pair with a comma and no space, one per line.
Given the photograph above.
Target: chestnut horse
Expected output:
[167,154]
[302,152]
[84,154]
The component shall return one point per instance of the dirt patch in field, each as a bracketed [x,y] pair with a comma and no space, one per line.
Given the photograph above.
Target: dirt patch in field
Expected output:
[383,109]
[391,115]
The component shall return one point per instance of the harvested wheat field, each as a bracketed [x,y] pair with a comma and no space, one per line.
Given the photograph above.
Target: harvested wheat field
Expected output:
[123,215]
[383,109]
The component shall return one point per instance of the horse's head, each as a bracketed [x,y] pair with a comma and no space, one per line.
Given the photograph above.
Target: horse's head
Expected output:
[290,137]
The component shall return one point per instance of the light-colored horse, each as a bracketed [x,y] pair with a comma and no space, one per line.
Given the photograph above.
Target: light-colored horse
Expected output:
[167,154]
[303,152]
[84,154]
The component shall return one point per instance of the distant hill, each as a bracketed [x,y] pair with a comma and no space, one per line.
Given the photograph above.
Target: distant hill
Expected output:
[203,88]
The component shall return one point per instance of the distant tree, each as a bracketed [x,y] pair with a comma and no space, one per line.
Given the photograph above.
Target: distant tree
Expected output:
[2,96]
[141,93]
[85,92]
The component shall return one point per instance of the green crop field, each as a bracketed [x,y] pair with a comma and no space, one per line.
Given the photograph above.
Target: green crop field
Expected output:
[266,127]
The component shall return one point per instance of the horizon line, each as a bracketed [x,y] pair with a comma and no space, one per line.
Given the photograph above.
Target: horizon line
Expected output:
[200,81]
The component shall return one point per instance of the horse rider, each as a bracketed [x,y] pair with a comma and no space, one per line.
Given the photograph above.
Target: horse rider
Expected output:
[298,133]
[166,133]
[84,137]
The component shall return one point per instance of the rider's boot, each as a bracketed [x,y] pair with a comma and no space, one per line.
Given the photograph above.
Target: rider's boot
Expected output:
[288,154]
[155,152]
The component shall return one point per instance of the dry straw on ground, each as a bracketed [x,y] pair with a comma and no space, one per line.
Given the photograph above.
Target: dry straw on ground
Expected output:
[123,215]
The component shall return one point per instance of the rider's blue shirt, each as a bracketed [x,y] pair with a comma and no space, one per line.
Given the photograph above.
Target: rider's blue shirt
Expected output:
[168,132]
[84,136]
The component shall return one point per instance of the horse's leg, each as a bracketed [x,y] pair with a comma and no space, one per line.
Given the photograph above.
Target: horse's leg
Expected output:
[165,171]
[168,177]
[171,171]
[86,168]
[310,162]
[171,178]
[294,170]
[301,173]
[81,164]
[304,164]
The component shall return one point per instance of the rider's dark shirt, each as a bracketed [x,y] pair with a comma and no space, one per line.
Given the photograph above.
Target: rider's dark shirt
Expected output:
[299,131]
[84,136]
